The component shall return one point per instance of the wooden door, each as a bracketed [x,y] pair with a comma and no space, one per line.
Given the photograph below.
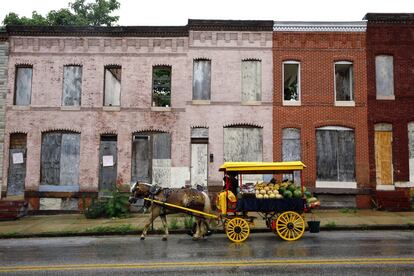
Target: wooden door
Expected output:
[383,157]
[108,162]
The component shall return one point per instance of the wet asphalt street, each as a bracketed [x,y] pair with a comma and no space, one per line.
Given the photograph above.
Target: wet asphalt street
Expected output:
[338,252]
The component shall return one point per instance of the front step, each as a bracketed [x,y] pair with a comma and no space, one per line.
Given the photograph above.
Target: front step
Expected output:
[12,209]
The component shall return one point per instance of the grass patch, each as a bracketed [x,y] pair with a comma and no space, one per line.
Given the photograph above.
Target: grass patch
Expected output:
[174,225]
[125,228]
[348,210]
[188,222]
[331,225]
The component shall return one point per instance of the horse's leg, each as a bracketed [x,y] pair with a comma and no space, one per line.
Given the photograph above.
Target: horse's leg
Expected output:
[165,225]
[154,214]
[197,235]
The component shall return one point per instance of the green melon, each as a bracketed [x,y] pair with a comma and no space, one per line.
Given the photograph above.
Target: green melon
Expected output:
[297,194]
[287,194]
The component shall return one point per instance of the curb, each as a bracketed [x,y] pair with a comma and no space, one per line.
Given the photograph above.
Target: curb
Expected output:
[184,231]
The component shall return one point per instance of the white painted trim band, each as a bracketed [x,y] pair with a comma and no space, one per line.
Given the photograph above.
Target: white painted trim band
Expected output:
[336,184]
[385,188]
[301,26]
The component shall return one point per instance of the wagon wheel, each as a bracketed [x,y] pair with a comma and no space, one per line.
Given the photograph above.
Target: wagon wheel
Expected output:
[237,229]
[290,226]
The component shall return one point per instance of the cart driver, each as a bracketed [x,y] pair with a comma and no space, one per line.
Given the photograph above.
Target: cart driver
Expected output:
[234,182]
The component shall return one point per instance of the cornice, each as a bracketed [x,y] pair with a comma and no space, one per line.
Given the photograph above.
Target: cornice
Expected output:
[302,26]
[389,18]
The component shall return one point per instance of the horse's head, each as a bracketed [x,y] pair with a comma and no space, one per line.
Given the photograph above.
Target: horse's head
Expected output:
[139,190]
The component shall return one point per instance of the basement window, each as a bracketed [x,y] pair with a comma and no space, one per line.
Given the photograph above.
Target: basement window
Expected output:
[112,94]
[161,86]
[344,92]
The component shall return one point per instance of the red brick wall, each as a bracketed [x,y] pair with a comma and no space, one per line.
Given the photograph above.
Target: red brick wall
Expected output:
[396,39]
[317,53]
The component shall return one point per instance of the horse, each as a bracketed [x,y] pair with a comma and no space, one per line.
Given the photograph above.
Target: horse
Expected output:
[185,197]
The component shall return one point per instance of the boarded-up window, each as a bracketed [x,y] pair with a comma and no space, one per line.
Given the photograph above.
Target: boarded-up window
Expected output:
[161,86]
[384,76]
[335,154]
[60,159]
[112,95]
[291,149]
[151,158]
[344,81]
[251,80]
[201,79]
[243,144]
[291,86]
[72,85]
[23,86]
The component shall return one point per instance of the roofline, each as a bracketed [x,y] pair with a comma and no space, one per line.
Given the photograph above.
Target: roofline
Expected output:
[3,34]
[389,17]
[120,31]
[320,26]
[230,25]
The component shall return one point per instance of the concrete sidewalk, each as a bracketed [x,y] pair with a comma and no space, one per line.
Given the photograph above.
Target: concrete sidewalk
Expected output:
[77,224]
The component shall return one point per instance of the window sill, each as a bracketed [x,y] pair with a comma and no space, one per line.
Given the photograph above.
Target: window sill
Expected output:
[251,103]
[21,107]
[292,103]
[69,108]
[336,184]
[344,103]
[201,102]
[389,187]
[58,188]
[386,98]
[160,108]
[111,108]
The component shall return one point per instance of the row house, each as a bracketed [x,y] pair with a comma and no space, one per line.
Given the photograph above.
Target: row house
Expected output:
[4,53]
[320,107]
[88,108]
[390,71]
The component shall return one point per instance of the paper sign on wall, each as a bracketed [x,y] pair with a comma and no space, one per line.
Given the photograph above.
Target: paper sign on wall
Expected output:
[18,158]
[108,160]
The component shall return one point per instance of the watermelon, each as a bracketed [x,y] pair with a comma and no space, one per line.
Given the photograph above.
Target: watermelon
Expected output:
[287,194]
[282,190]
[297,194]
[291,188]
[308,194]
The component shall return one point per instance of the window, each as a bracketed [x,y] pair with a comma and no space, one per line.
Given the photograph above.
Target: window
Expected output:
[161,86]
[72,85]
[384,77]
[23,86]
[291,149]
[60,159]
[251,80]
[243,143]
[291,82]
[344,82]
[335,155]
[201,79]
[112,95]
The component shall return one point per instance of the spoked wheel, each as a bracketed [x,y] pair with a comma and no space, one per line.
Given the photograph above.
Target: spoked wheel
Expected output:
[290,226]
[237,229]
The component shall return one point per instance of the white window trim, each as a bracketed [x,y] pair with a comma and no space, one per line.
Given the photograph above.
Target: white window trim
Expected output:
[336,184]
[389,187]
[350,102]
[387,98]
[407,184]
[291,103]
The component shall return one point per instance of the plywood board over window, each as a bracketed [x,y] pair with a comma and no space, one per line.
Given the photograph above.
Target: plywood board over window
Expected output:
[60,159]
[23,85]
[72,85]
[251,81]
[411,150]
[151,158]
[291,149]
[384,77]
[383,154]
[112,94]
[201,79]
[335,157]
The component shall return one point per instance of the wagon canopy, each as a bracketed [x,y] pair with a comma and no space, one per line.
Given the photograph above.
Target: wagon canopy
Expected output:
[262,167]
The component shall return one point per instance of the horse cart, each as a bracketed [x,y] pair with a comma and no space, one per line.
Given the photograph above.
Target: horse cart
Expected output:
[284,215]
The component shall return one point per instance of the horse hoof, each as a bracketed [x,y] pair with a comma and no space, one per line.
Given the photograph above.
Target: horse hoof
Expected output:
[195,239]
[142,238]
[164,238]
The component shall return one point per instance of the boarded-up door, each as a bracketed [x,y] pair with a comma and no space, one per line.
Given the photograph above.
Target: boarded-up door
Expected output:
[199,164]
[108,162]
[141,159]
[383,157]
[17,165]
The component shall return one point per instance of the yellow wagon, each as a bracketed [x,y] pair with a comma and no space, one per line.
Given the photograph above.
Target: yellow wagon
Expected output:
[284,215]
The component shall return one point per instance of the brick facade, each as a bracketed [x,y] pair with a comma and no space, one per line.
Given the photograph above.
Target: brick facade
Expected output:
[317,51]
[4,54]
[392,34]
